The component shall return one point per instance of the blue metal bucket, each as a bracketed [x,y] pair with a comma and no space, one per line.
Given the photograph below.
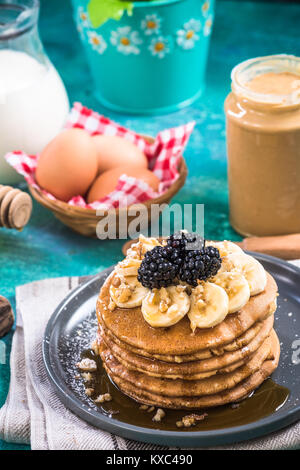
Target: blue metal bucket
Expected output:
[152,62]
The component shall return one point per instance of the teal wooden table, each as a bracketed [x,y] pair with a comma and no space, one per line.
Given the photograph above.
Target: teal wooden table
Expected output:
[46,248]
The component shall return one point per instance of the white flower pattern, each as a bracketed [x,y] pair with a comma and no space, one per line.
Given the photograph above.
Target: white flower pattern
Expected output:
[207,26]
[126,40]
[97,41]
[83,17]
[205,8]
[160,46]
[187,37]
[151,24]
[80,31]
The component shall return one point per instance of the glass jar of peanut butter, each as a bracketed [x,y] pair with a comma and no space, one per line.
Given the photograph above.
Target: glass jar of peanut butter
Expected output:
[263,146]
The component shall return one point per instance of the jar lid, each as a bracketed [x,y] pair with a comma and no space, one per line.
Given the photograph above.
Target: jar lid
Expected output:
[246,71]
[17,18]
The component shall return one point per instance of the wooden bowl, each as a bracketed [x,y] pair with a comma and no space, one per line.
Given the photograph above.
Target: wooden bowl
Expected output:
[84,221]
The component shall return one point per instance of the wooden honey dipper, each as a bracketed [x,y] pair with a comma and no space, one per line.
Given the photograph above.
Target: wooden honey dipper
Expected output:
[15,207]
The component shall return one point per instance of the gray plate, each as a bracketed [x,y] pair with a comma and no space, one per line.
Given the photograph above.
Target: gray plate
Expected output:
[72,327]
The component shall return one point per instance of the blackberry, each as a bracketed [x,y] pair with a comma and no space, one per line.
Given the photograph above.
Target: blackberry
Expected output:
[159,267]
[183,241]
[164,265]
[200,264]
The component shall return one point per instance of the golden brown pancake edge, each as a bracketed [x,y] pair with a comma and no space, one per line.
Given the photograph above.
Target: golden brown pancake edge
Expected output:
[237,393]
[188,370]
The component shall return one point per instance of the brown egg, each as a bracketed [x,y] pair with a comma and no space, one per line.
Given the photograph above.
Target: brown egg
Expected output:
[68,164]
[115,151]
[107,181]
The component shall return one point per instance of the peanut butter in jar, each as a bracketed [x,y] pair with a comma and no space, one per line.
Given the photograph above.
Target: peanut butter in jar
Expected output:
[263,146]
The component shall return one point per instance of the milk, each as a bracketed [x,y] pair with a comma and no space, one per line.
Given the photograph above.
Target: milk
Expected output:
[33,106]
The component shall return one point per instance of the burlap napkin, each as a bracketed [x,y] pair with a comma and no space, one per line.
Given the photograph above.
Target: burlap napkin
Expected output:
[33,414]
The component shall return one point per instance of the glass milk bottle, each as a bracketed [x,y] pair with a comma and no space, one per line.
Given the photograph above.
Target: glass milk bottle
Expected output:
[33,100]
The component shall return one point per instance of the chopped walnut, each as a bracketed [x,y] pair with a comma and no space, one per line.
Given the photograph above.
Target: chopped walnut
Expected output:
[89,391]
[190,420]
[103,398]
[135,251]
[165,296]
[154,297]
[87,376]
[144,407]
[273,306]
[87,365]
[152,408]
[163,307]
[138,250]
[217,351]
[116,282]
[159,415]
[200,303]
[94,347]
[111,305]
[123,293]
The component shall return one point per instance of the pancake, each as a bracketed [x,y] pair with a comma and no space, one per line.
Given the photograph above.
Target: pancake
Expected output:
[179,366]
[180,387]
[188,370]
[130,327]
[239,390]
[201,375]
[238,343]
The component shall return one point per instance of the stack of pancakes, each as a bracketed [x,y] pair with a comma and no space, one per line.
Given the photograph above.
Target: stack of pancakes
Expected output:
[176,368]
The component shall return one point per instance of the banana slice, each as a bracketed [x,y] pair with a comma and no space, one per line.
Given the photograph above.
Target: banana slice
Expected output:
[166,306]
[236,287]
[127,292]
[249,267]
[209,305]
[225,247]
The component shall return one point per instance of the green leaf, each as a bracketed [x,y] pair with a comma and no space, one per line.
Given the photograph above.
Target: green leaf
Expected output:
[102,10]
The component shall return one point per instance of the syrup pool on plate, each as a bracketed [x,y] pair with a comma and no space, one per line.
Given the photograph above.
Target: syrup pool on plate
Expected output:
[267,399]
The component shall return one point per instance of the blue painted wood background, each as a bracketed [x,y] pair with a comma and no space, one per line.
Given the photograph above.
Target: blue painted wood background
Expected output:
[48,249]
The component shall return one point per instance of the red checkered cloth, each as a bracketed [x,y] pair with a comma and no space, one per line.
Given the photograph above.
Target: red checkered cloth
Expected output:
[163,156]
